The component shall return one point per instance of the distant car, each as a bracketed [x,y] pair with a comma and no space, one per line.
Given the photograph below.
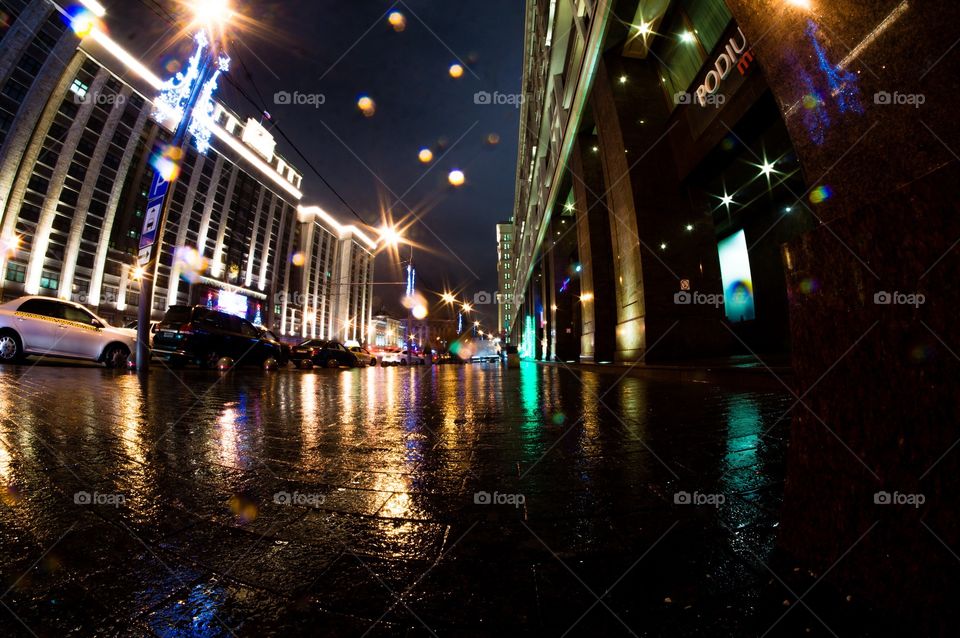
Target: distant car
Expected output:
[42,326]
[364,358]
[203,336]
[408,358]
[326,354]
[388,356]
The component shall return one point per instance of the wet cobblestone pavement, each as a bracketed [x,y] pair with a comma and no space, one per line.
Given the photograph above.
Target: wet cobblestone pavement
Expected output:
[352,503]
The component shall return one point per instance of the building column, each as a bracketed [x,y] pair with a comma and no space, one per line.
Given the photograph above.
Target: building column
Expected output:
[41,236]
[72,247]
[597,291]
[877,380]
[103,245]
[252,250]
[38,108]
[18,166]
[208,205]
[265,259]
[216,265]
[183,224]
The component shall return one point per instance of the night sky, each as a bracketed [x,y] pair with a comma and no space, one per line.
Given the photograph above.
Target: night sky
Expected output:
[343,50]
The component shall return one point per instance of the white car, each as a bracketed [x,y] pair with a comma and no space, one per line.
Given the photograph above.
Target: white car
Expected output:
[408,358]
[43,326]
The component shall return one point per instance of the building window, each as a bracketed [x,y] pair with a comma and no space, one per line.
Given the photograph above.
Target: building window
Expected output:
[80,89]
[50,280]
[16,273]
[691,34]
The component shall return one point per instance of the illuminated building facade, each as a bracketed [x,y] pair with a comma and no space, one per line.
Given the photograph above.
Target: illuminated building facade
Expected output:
[77,145]
[653,203]
[506,301]
[386,330]
[758,176]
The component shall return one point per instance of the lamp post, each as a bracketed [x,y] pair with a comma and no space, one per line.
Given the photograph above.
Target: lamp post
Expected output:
[185,97]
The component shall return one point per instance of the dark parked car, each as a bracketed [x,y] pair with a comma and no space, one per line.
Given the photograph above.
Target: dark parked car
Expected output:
[202,336]
[318,352]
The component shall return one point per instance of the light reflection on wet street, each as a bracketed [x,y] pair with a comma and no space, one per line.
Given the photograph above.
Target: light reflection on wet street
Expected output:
[337,502]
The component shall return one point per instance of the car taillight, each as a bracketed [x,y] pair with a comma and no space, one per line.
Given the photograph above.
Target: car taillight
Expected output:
[186,329]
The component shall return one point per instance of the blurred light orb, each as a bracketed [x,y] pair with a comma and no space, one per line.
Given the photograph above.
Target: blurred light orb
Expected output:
[167,162]
[270,365]
[298,259]
[172,66]
[398,21]
[426,155]
[493,139]
[191,264]
[456,71]
[809,286]
[83,22]
[457,178]
[811,101]
[367,106]
[224,364]
[821,194]
[419,311]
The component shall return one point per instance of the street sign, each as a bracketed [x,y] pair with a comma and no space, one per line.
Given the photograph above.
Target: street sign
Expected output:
[155,198]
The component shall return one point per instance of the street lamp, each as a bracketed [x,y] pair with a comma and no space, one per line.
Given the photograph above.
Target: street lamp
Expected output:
[390,236]
[187,100]
[210,13]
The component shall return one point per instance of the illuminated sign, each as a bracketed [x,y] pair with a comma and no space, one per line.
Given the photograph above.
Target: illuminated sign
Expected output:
[735,55]
[232,303]
[737,278]
[259,139]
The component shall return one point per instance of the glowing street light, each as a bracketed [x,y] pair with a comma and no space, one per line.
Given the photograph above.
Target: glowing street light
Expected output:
[390,236]
[448,298]
[467,307]
[210,13]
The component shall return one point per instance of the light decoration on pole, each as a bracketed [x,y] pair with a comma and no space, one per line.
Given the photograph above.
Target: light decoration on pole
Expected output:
[411,280]
[174,98]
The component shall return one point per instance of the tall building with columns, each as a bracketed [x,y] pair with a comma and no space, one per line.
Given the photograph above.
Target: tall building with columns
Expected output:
[756,177]
[77,140]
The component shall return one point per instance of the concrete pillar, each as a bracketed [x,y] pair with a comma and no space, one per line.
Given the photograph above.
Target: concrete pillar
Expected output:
[597,299]
[653,250]
[40,105]
[183,224]
[103,245]
[252,250]
[41,235]
[72,247]
[208,205]
[868,93]
[217,266]
[20,154]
